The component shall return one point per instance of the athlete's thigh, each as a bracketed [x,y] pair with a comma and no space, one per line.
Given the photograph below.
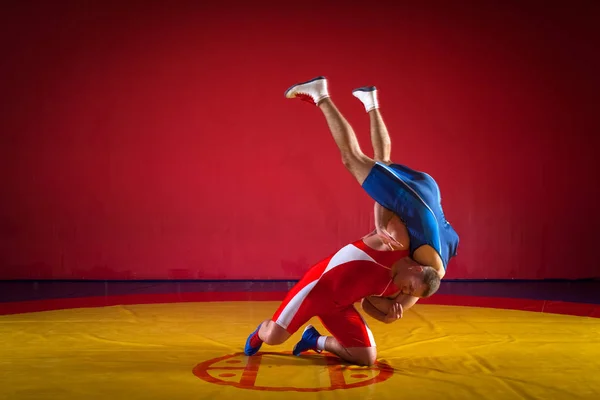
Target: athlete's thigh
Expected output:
[300,304]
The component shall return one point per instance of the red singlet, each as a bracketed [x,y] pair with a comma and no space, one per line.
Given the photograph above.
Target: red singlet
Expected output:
[331,287]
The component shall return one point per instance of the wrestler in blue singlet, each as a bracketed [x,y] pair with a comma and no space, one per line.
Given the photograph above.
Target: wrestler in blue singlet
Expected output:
[415,197]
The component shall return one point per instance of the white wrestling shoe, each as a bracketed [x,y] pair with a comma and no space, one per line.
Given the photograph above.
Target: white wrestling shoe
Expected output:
[368,96]
[312,91]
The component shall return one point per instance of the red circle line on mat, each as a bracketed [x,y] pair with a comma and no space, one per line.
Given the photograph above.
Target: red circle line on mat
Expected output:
[251,370]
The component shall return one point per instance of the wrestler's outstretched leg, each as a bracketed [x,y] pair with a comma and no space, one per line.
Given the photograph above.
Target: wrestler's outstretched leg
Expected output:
[316,92]
[360,165]
[382,148]
[293,312]
[380,138]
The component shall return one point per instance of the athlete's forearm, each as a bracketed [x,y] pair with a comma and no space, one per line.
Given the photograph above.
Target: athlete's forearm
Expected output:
[378,307]
[381,303]
[375,311]
[406,300]
[382,216]
[371,310]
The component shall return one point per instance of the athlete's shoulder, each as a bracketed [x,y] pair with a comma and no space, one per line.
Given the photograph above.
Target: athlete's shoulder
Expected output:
[427,255]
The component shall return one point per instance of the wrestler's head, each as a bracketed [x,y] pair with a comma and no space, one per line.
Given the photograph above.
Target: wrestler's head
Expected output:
[414,279]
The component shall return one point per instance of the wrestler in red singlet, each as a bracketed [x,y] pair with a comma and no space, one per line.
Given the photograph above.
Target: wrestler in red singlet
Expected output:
[331,287]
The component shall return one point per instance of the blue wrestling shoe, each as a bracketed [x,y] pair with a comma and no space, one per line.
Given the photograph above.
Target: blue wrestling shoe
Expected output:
[249,350]
[308,341]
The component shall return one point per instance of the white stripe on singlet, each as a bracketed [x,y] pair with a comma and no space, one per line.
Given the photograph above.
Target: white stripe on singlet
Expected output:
[345,254]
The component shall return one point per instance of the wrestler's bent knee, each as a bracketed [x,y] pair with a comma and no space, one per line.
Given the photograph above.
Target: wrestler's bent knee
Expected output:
[366,357]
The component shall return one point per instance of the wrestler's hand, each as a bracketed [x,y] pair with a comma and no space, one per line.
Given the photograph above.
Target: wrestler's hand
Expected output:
[388,239]
[395,313]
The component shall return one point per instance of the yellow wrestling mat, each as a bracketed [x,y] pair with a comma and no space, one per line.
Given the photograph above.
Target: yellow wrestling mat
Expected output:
[192,351]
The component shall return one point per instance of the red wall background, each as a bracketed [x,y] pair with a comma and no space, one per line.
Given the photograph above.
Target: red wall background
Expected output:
[151,140]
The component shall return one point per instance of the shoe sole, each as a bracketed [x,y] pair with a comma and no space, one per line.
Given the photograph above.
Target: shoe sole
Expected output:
[302,83]
[294,350]
[365,89]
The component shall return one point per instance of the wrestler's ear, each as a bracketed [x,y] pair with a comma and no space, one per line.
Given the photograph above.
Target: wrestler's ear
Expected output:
[416,268]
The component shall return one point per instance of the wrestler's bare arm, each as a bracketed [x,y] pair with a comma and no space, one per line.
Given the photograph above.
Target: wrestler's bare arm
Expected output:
[382,309]
[426,255]
[382,219]
[372,311]
[382,216]
[406,300]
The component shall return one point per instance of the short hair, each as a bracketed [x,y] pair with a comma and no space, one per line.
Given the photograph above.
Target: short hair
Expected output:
[431,280]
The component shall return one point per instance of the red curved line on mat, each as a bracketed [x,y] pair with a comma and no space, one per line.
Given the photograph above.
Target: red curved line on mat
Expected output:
[248,378]
[547,306]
